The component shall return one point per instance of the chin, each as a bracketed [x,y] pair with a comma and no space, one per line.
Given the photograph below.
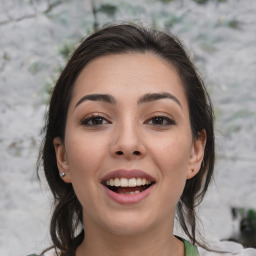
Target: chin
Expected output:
[128,223]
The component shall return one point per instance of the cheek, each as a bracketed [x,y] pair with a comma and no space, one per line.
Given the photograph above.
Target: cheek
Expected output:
[172,157]
[85,158]
[85,154]
[172,153]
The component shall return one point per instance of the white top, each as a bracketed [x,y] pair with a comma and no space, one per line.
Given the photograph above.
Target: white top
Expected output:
[226,248]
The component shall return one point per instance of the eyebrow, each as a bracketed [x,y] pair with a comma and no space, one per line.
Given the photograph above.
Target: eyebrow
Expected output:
[97,97]
[149,97]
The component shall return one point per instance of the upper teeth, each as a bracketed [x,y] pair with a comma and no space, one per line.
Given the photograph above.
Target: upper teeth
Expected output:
[124,182]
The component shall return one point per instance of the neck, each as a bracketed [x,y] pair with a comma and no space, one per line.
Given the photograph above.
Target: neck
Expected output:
[156,241]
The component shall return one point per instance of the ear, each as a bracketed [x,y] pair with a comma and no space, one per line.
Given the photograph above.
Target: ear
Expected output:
[196,154]
[61,158]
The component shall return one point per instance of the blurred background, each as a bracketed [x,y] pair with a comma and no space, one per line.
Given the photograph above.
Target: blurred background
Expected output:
[36,39]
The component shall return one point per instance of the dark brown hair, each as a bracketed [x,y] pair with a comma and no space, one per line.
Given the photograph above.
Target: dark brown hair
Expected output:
[117,39]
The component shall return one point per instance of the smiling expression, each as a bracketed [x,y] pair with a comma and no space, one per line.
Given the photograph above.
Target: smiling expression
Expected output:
[128,146]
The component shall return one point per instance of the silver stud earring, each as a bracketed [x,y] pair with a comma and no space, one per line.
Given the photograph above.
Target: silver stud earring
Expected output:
[62,175]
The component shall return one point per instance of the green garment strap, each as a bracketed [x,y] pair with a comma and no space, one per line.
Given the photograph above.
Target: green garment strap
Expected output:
[190,250]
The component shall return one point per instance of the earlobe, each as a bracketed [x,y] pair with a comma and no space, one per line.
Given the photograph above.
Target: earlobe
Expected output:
[197,154]
[61,158]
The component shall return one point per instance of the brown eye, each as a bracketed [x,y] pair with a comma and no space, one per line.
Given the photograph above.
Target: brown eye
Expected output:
[160,121]
[94,121]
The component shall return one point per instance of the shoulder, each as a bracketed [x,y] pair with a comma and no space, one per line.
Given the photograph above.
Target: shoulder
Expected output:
[226,248]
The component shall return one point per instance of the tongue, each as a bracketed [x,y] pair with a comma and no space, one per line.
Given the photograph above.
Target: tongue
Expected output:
[129,189]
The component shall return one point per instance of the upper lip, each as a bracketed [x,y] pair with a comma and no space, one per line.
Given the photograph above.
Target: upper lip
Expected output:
[123,173]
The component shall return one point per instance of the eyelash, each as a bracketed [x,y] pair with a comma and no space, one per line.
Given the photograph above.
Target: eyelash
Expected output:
[164,120]
[94,117]
[168,121]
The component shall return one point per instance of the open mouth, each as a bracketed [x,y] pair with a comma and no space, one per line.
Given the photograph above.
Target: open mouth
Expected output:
[128,186]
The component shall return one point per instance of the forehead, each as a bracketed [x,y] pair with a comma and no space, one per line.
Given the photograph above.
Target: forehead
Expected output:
[129,74]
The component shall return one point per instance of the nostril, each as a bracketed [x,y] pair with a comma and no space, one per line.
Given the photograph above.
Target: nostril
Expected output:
[120,153]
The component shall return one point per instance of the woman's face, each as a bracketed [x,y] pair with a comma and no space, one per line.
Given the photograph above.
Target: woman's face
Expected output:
[128,146]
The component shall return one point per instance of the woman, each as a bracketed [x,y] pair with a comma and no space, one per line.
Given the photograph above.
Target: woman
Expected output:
[129,141]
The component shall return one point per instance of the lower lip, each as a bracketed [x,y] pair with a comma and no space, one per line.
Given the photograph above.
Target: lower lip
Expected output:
[130,198]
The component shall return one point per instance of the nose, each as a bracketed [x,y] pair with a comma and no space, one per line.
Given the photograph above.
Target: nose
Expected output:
[128,143]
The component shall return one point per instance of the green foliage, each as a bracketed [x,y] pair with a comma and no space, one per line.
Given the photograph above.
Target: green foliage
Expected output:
[218,113]
[132,10]
[235,24]
[205,1]
[165,1]
[66,49]
[207,47]
[229,22]
[251,215]
[248,229]
[247,234]
[172,20]
[48,89]
[108,9]
[6,56]
[201,1]
[35,67]
[62,17]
